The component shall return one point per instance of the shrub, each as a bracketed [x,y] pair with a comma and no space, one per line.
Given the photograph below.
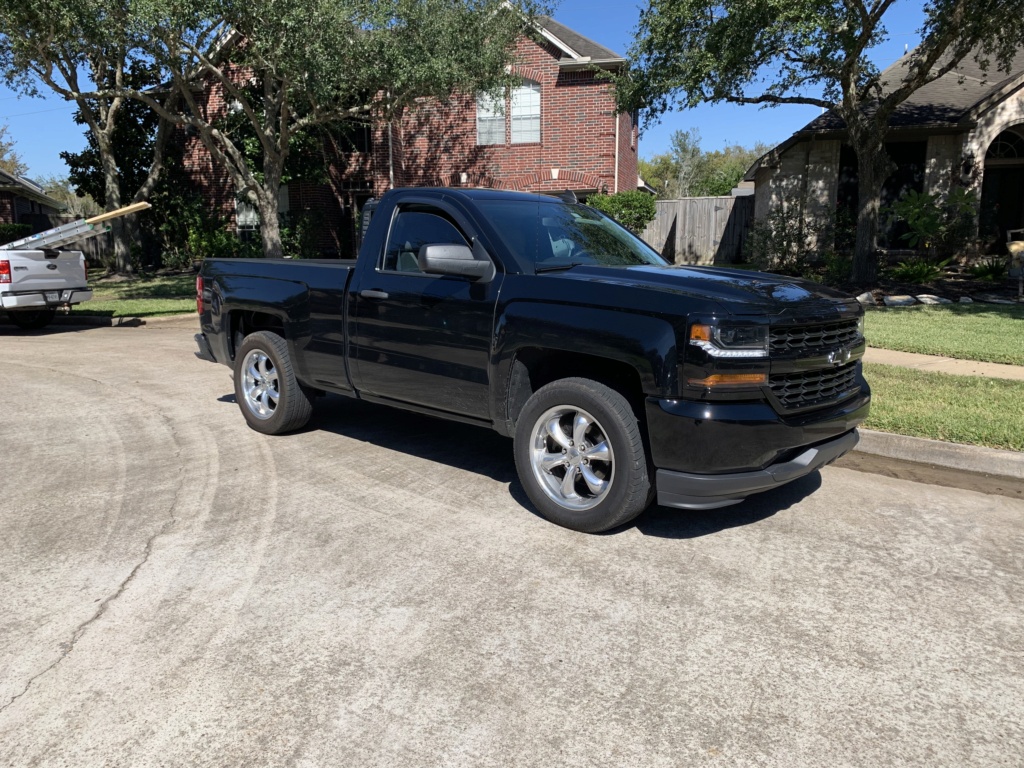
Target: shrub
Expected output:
[993,269]
[918,271]
[778,242]
[633,209]
[300,234]
[936,224]
[838,267]
[11,232]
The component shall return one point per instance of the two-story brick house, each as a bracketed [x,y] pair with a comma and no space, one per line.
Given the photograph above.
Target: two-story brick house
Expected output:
[559,130]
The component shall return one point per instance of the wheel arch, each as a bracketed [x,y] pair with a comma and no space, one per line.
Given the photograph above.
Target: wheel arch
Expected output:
[534,367]
[633,354]
[242,322]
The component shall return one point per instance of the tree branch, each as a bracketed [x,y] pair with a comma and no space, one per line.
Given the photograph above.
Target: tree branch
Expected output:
[768,98]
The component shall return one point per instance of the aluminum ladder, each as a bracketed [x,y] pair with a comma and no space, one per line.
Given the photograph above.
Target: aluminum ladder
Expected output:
[69,233]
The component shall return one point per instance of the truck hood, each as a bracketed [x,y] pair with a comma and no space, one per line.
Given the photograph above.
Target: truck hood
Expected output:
[741,291]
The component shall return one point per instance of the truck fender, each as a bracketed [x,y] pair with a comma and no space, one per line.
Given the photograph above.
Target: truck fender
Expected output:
[644,344]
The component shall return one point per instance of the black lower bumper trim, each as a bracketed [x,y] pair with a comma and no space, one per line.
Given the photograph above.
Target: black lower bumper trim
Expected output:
[204,353]
[691,491]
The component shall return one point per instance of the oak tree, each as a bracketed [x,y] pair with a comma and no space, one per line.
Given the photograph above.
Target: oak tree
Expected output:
[688,52]
[289,68]
[84,51]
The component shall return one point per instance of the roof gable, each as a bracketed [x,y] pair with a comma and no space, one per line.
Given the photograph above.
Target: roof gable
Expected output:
[576,49]
[956,97]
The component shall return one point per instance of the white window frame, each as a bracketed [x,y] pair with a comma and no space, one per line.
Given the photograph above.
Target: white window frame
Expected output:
[490,120]
[525,100]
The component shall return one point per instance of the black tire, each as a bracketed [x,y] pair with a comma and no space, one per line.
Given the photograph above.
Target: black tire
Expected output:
[32,319]
[595,488]
[262,360]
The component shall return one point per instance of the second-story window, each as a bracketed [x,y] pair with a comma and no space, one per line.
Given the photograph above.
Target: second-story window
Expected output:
[526,113]
[490,120]
[518,114]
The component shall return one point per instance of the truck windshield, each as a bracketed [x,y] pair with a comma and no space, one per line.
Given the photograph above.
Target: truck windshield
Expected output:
[557,235]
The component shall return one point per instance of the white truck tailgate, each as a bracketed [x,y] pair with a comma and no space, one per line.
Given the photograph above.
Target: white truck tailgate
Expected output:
[42,278]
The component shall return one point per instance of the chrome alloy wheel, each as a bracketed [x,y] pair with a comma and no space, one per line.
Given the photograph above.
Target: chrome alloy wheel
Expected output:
[571,458]
[260,384]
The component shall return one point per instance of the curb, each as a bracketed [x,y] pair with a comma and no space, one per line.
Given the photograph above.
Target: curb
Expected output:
[970,458]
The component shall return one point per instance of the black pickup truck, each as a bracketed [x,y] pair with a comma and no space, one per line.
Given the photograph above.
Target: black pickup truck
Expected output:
[620,377]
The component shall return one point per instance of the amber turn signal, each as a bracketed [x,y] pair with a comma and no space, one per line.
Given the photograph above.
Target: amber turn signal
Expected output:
[700,332]
[720,379]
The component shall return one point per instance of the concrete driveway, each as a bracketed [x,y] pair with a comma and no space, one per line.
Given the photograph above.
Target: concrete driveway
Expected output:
[179,590]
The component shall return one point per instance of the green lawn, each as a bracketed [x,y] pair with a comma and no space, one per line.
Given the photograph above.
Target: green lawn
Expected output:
[988,332]
[145,297]
[957,409]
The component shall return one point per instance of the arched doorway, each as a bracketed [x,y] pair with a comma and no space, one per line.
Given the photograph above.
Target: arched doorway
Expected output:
[1002,191]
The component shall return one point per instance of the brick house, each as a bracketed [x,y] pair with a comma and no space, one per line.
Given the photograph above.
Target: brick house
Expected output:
[559,130]
[964,129]
[23,201]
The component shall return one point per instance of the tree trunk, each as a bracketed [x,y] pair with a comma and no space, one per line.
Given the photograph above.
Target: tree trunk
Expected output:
[112,195]
[873,168]
[267,197]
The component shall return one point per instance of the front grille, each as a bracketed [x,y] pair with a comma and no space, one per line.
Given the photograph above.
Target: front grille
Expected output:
[787,340]
[806,389]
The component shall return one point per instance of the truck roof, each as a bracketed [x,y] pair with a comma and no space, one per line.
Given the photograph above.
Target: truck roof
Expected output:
[480,193]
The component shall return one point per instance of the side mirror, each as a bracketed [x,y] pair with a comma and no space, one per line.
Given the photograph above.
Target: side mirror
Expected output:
[455,260]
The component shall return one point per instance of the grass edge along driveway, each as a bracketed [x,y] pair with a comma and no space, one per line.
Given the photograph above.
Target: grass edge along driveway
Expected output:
[141,297]
[992,333]
[956,409]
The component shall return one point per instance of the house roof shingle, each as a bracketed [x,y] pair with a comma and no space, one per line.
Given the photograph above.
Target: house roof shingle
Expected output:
[27,188]
[573,42]
[945,102]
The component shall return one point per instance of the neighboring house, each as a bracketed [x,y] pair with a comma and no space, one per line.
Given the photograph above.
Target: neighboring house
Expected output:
[24,202]
[966,129]
[558,130]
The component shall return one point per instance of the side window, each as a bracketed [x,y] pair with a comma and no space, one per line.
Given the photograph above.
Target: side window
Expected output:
[412,229]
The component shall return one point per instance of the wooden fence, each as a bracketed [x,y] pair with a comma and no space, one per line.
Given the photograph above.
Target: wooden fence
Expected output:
[701,230]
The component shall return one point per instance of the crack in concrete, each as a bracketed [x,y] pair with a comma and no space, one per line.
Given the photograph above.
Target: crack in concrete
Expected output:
[69,645]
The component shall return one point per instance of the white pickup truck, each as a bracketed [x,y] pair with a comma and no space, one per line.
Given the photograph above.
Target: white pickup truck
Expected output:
[34,284]
[36,279]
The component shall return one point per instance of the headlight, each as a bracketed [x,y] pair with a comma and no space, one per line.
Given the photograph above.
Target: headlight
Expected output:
[860,326]
[728,340]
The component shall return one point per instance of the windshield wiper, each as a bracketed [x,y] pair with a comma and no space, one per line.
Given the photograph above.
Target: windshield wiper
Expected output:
[558,267]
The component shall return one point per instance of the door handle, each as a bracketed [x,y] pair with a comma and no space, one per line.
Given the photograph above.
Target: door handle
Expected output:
[370,294]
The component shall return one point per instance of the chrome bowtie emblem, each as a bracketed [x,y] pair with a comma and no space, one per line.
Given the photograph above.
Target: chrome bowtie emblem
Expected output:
[838,357]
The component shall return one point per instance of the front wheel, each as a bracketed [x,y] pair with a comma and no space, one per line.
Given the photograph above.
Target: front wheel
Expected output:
[580,456]
[32,319]
[270,397]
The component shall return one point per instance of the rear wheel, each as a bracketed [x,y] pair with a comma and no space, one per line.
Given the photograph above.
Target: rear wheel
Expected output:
[31,319]
[270,397]
[580,456]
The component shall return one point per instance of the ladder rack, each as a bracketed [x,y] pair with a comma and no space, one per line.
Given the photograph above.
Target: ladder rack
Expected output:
[69,233]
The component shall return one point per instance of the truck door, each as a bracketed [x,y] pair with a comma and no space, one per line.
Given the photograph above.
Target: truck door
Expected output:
[418,338]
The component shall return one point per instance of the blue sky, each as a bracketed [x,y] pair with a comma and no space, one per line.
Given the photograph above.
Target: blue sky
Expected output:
[42,128]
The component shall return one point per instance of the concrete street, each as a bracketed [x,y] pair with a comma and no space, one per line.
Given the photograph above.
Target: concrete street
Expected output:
[178,590]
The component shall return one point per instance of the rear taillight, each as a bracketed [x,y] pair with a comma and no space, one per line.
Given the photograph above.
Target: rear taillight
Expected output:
[199,294]
[5,271]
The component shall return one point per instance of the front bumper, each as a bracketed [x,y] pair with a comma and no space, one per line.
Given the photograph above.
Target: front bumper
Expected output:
[712,454]
[692,491]
[36,299]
